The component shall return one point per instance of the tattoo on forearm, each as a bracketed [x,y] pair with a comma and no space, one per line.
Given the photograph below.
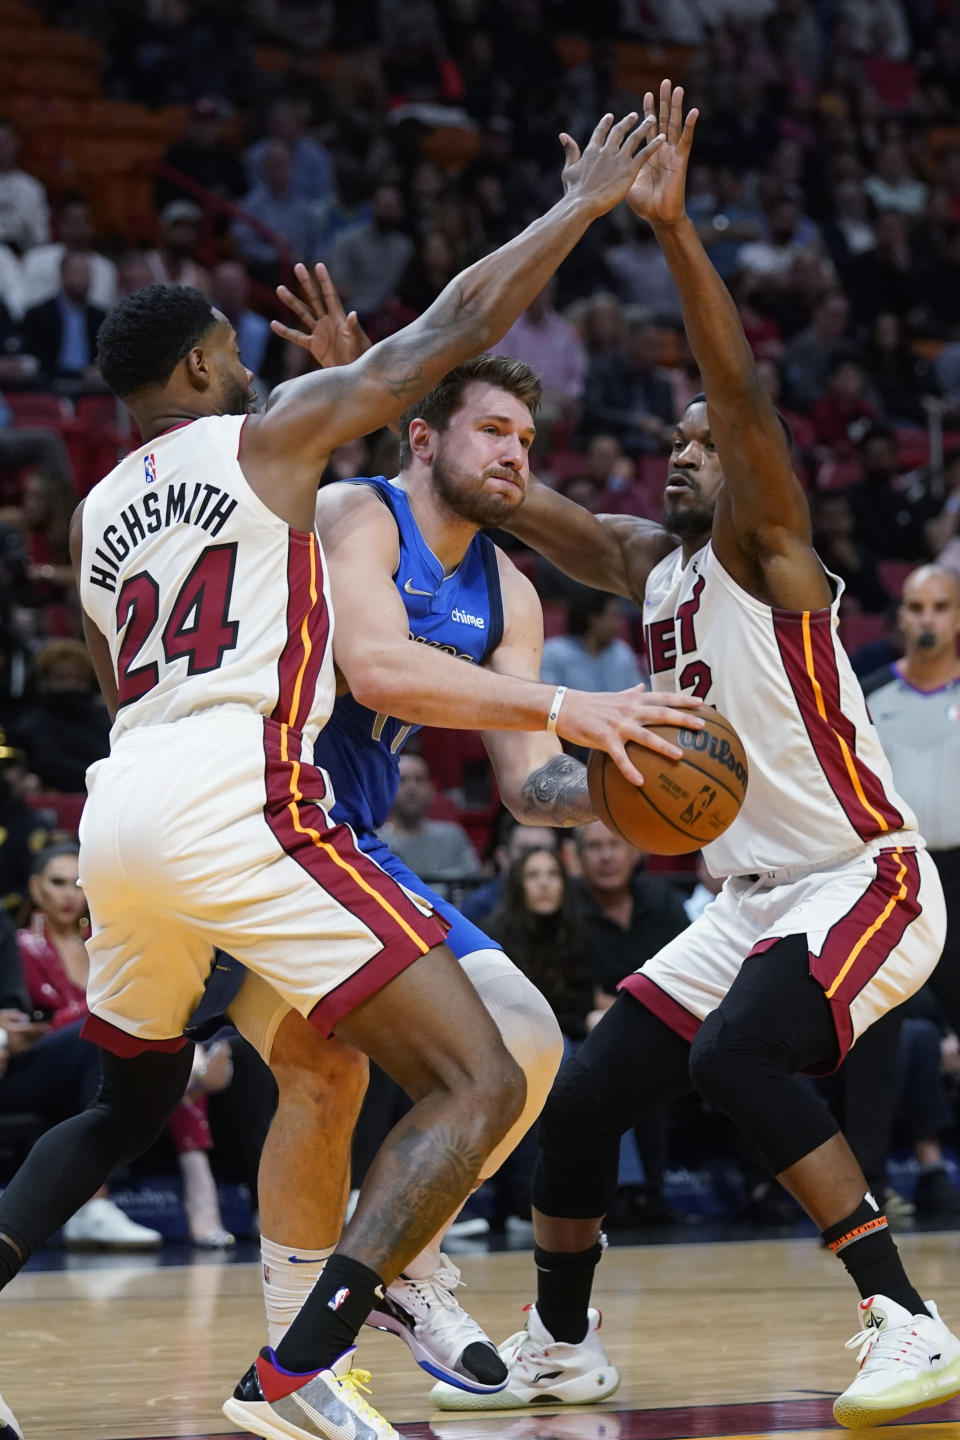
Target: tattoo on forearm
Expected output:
[420,1179]
[558,793]
[401,359]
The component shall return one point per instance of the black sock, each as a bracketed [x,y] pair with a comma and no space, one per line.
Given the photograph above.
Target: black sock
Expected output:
[865,1245]
[331,1316]
[564,1282]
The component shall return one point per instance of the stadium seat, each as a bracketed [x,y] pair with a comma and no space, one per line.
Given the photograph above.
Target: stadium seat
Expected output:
[893,573]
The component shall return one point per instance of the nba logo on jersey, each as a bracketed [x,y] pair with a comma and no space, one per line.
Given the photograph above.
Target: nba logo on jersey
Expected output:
[149,469]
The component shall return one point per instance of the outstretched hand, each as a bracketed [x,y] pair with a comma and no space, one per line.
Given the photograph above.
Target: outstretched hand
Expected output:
[659,192]
[611,160]
[331,335]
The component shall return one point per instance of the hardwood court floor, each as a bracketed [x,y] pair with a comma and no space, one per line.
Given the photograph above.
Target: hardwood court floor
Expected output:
[734,1339]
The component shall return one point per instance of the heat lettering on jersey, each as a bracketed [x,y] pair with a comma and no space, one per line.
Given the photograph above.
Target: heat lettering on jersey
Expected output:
[205,505]
[662,653]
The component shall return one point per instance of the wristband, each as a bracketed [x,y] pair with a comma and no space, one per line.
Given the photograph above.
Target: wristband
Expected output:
[555,704]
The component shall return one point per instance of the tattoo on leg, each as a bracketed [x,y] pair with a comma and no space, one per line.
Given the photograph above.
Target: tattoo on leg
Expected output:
[438,1167]
[557,793]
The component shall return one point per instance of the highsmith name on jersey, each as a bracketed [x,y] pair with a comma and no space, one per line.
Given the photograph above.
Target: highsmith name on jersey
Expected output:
[205,597]
[820,784]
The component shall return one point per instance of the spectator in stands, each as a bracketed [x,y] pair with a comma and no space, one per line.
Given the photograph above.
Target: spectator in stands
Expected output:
[44,449]
[602,325]
[807,359]
[944,532]
[230,292]
[311,170]
[174,260]
[901,377]
[894,185]
[41,528]
[23,834]
[771,259]
[551,346]
[24,212]
[511,840]
[55,967]
[202,156]
[537,925]
[67,728]
[437,850]
[431,268]
[47,1069]
[729,223]
[42,263]
[836,542]
[591,656]
[368,260]
[849,232]
[639,270]
[62,332]
[843,414]
[891,512]
[887,278]
[627,915]
[706,890]
[605,483]
[288,219]
[626,395]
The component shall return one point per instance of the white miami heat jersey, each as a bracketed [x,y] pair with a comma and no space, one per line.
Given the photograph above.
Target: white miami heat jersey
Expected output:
[819,783]
[205,597]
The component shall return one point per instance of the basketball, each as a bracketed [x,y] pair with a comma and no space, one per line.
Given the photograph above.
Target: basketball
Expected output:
[682,804]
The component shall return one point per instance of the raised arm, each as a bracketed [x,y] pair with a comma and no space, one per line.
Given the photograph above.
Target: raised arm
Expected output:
[607,552]
[762,527]
[309,416]
[390,673]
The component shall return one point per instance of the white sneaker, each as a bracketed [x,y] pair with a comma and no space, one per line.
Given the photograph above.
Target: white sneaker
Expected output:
[543,1371]
[9,1429]
[906,1363]
[445,1341]
[101,1225]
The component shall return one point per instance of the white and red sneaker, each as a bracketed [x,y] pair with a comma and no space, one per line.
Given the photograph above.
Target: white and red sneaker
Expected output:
[542,1371]
[907,1362]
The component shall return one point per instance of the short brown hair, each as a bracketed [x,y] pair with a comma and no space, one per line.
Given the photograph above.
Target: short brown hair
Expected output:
[445,399]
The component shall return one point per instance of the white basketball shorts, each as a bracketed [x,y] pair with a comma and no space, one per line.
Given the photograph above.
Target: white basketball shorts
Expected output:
[874,926]
[212,832]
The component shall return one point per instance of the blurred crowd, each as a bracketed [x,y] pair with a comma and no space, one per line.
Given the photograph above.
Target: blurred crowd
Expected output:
[398,142]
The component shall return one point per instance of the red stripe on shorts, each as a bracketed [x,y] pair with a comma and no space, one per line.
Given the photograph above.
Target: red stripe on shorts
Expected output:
[331,857]
[120,1043]
[865,938]
[670,1011]
[308,629]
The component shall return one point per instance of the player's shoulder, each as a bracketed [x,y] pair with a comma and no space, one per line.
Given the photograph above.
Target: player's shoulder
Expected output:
[353,500]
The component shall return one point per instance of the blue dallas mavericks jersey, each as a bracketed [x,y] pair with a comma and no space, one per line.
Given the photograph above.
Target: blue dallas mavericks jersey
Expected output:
[460,613]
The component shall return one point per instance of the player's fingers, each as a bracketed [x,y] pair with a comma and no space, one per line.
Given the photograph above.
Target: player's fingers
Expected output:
[665,90]
[649,150]
[686,139]
[644,131]
[650,105]
[294,303]
[285,333]
[650,741]
[670,715]
[676,116]
[311,289]
[601,131]
[571,150]
[621,130]
[331,299]
[622,761]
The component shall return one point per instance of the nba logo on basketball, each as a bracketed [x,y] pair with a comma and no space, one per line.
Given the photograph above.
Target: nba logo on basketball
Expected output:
[338,1299]
[149,469]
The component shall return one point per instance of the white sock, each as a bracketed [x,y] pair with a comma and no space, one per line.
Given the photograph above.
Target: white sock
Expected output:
[289,1274]
[427,1263]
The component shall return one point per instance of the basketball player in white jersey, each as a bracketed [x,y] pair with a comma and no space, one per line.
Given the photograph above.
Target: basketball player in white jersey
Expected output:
[831,911]
[206,608]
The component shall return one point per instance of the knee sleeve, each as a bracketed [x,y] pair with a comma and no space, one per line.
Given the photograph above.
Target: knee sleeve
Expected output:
[529,1031]
[750,1075]
[137,1097]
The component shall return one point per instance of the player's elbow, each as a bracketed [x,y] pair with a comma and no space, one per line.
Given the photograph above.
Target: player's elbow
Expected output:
[371,679]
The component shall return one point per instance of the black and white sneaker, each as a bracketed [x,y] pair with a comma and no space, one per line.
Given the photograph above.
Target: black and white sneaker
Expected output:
[9,1429]
[444,1340]
[323,1405]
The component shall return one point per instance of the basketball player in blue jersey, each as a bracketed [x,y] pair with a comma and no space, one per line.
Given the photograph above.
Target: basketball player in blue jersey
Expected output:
[413,579]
